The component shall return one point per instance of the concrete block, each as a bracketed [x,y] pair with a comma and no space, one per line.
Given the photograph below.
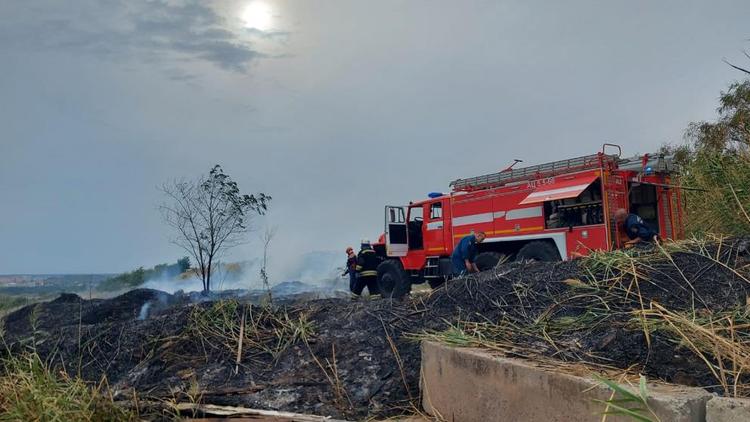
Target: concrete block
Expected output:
[466,385]
[725,409]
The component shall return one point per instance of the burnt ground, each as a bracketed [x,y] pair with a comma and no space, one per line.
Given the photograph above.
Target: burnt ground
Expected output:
[354,359]
[345,367]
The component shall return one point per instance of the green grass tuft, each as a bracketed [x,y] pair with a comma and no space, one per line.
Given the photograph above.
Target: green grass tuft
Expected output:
[31,391]
[627,404]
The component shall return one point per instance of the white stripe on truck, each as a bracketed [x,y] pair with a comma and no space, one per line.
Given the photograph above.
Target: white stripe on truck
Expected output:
[486,217]
[489,217]
[520,213]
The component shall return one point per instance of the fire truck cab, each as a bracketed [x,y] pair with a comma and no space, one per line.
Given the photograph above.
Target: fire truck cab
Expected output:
[553,211]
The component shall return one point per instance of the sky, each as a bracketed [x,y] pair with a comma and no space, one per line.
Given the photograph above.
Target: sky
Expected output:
[334,108]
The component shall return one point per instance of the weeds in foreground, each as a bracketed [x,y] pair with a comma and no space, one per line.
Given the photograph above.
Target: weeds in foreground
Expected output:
[399,361]
[657,291]
[495,337]
[721,340]
[240,330]
[625,403]
[718,339]
[191,396]
[30,390]
[331,372]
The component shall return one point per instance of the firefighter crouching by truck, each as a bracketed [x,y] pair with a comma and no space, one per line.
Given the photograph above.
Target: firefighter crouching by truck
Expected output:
[635,228]
[465,253]
[367,270]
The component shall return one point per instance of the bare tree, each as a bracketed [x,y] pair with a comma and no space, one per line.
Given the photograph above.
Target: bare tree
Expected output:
[210,216]
[266,238]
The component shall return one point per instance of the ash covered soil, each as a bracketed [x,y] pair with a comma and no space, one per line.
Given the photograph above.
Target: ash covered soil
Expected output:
[357,359]
[325,356]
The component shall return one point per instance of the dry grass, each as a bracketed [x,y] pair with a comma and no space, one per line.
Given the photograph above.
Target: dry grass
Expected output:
[399,361]
[611,291]
[234,328]
[330,370]
[32,391]
[722,341]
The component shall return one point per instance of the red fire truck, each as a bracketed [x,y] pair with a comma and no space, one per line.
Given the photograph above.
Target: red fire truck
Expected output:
[547,212]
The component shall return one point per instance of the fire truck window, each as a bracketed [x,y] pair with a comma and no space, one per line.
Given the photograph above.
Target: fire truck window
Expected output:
[396,215]
[416,214]
[436,211]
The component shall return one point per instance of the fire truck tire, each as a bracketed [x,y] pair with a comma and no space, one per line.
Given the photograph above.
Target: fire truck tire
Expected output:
[393,281]
[538,251]
[488,260]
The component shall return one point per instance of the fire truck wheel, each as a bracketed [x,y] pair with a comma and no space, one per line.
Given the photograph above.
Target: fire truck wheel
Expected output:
[488,260]
[538,251]
[392,279]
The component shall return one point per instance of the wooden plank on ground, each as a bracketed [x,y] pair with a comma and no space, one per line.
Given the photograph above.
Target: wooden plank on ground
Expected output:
[208,410]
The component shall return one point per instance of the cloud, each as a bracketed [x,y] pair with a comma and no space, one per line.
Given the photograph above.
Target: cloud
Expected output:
[147,31]
[282,36]
[179,75]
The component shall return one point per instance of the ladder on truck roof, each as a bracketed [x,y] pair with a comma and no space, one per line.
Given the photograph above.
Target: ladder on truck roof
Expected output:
[554,168]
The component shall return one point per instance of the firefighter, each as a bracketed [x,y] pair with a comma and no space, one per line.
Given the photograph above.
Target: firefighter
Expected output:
[636,229]
[367,270]
[351,267]
[465,253]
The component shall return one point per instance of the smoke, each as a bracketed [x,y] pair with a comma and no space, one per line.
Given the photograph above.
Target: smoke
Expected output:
[318,270]
[143,314]
[171,285]
[226,276]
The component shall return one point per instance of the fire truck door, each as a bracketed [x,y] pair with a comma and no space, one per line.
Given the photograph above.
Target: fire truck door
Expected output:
[435,233]
[396,238]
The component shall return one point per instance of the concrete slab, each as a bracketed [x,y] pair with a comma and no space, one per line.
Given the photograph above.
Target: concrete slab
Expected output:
[466,385]
[724,409]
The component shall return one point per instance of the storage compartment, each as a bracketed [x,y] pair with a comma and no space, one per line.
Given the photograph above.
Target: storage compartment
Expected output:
[644,202]
[583,210]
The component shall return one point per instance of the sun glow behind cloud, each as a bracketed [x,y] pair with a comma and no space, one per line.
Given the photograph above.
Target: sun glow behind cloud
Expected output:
[257,15]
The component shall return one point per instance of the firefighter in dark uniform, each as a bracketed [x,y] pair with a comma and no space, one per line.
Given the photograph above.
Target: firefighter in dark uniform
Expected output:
[635,228]
[465,253]
[367,270]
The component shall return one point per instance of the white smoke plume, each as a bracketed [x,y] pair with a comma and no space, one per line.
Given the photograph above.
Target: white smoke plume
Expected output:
[320,270]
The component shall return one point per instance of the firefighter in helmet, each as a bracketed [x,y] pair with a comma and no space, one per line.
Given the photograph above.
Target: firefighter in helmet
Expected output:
[367,273]
[351,267]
